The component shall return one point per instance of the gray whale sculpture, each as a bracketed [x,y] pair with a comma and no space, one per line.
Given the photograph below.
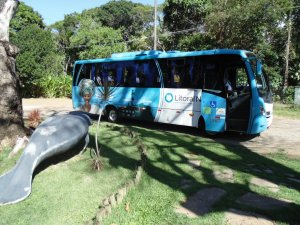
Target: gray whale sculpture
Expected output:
[55,135]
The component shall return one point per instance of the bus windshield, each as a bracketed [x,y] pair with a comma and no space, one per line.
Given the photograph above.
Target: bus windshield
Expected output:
[260,76]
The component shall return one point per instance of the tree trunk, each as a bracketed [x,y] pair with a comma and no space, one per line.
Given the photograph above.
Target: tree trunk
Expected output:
[287,57]
[11,111]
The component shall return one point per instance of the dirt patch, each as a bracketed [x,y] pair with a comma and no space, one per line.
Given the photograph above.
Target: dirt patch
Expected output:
[283,136]
[47,106]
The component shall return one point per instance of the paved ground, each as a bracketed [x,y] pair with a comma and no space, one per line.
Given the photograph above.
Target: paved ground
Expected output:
[283,136]
[46,106]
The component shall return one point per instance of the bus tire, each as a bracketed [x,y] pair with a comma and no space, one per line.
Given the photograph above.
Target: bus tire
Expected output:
[112,115]
[204,132]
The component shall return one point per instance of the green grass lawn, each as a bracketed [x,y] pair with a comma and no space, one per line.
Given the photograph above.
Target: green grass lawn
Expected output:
[70,192]
[287,111]
[154,200]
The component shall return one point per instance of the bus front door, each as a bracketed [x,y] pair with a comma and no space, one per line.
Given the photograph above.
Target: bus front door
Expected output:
[213,111]
[238,100]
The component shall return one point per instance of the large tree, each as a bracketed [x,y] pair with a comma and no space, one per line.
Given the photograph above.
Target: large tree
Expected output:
[63,31]
[11,111]
[94,41]
[295,45]
[38,57]
[130,17]
[24,17]
[183,18]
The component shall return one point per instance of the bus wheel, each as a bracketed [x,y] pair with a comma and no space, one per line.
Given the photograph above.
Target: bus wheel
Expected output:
[112,115]
[204,132]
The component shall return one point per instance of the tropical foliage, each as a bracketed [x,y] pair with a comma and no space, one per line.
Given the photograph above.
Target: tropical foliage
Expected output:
[261,26]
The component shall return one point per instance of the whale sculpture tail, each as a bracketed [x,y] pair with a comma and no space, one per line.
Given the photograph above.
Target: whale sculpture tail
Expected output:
[55,135]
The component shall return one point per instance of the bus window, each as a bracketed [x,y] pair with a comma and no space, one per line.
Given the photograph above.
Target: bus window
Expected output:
[175,73]
[109,74]
[82,71]
[166,72]
[197,73]
[129,74]
[261,85]
[212,77]
[153,78]
[98,74]
[242,81]
[142,74]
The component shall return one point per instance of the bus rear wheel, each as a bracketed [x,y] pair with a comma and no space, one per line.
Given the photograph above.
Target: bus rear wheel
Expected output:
[112,115]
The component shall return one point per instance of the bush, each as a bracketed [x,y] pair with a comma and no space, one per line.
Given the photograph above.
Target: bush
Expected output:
[55,86]
[288,95]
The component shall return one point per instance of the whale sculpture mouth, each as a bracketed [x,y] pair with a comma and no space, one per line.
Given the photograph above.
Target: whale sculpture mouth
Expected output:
[56,135]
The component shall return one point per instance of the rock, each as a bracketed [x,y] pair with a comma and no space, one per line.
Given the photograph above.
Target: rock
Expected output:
[201,202]
[112,200]
[185,183]
[295,180]
[262,202]
[264,183]
[194,163]
[236,217]
[269,171]
[226,175]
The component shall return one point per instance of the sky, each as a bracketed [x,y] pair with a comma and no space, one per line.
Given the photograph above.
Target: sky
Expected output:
[54,10]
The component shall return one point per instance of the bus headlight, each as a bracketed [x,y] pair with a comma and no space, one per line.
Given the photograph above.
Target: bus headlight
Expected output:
[262,110]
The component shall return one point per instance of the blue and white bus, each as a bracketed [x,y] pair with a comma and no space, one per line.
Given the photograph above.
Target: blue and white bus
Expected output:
[214,90]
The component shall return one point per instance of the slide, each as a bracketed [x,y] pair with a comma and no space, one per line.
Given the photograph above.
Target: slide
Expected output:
[55,135]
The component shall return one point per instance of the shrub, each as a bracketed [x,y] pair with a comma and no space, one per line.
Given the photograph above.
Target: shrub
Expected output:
[55,86]
[288,95]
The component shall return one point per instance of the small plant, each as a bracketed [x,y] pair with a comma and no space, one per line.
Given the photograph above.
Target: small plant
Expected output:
[106,92]
[34,118]
[96,159]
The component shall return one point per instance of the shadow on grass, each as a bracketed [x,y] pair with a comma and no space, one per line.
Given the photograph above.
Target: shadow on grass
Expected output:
[115,159]
[55,159]
[245,157]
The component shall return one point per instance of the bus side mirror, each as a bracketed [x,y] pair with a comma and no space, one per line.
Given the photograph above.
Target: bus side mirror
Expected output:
[259,68]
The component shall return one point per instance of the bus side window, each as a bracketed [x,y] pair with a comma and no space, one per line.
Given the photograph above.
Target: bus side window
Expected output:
[109,74]
[188,74]
[212,77]
[197,76]
[128,74]
[177,77]
[166,73]
[141,74]
[99,75]
[82,71]
[149,76]
[176,73]
[154,79]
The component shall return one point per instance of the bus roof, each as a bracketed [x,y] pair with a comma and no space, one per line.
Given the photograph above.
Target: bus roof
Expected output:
[153,54]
